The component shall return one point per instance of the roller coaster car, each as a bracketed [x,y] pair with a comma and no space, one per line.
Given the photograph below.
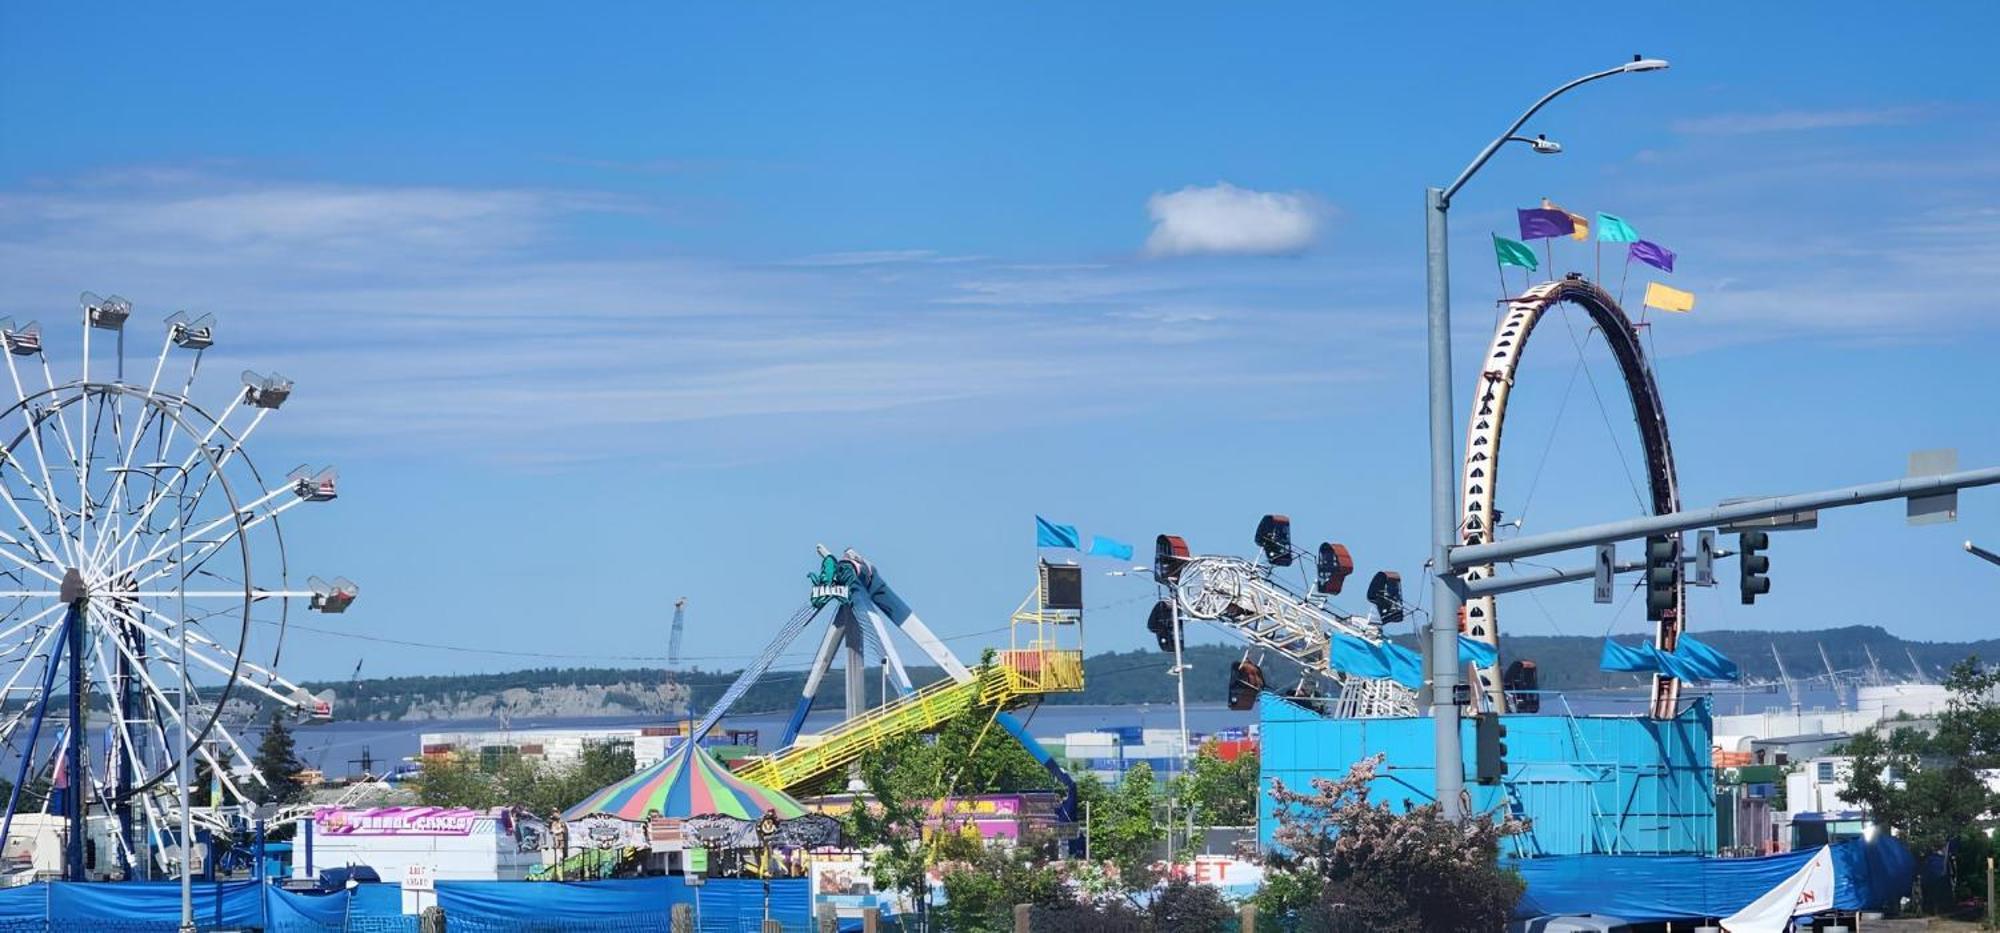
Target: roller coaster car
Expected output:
[1161,623]
[1274,535]
[1385,593]
[1170,554]
[1335,565]
[1246,680]
[1521,681]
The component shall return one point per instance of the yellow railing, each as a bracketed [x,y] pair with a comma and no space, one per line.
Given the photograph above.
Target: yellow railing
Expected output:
[1015,677]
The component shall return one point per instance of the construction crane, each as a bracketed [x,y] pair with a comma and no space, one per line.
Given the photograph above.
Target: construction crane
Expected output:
[674,640]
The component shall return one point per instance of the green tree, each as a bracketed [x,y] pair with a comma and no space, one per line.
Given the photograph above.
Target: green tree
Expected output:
[890,827]
[1926,786]
[1125,830]
[1345,863]
[278,762]
[1220,793]
[983,883]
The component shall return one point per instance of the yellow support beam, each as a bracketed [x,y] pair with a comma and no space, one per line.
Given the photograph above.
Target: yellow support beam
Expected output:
[1012,680]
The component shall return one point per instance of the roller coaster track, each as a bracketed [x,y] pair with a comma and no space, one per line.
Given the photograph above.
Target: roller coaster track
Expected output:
[1482,453]
[1016,678]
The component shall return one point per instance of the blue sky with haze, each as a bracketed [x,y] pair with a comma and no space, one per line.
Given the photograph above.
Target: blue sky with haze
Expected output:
[597,310]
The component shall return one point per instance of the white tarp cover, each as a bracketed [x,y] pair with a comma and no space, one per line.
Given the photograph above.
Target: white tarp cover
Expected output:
[1808,891]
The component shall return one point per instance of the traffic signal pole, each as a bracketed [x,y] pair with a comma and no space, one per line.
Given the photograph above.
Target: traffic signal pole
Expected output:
[1467,556]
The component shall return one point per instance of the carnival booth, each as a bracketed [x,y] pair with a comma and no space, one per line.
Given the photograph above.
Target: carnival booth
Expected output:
[675,815]
[446,843]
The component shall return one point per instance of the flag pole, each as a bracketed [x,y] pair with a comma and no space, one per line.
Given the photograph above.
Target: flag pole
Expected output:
[1598,275]
[1548,257]
[1624,278]
[1499,266]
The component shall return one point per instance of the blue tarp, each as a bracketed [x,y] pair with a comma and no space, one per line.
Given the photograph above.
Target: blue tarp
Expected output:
[636,904]
[1656,888]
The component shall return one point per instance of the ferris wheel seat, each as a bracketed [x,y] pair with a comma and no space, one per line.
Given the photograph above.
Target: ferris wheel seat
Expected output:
[25,340]
[265,391]
[106,313]
[195,334]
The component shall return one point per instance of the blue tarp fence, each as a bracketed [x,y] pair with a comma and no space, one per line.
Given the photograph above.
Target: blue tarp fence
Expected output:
[630,905]
[1658,888]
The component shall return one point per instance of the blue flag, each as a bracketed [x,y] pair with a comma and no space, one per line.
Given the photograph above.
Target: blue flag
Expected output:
[1635,659]
[1474,651]
[1705,660]
[1050,534]
[1102,546]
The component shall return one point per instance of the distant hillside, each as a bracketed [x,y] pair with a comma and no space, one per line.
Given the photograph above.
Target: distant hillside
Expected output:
[1116,678]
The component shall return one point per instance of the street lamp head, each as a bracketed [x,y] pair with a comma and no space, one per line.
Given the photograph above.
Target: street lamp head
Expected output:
[1545,145]
[1644,64]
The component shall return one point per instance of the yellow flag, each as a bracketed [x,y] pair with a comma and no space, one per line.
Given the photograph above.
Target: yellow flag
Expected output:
[1578,221]
[1668,299]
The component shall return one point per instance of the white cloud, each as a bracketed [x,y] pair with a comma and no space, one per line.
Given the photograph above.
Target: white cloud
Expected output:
[1790,121]
[1226,219]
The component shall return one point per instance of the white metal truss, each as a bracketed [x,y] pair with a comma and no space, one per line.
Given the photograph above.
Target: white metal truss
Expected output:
[1240,596]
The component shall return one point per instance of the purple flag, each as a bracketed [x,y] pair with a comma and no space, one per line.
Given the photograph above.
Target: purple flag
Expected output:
[1652,254]
[1541,224]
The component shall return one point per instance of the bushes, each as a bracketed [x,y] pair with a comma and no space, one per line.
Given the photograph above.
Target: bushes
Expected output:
[1349,864]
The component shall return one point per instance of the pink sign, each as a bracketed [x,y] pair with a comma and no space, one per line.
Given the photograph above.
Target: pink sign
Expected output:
[396,821]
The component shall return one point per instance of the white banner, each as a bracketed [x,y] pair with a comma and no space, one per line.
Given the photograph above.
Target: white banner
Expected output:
[1808,891]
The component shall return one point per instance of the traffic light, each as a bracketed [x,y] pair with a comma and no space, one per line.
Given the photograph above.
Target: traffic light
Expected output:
[1491,735]
[1751,566]
[1663,574]
[1161,623]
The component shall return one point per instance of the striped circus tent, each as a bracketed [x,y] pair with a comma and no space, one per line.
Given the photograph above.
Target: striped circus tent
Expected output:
[687,783]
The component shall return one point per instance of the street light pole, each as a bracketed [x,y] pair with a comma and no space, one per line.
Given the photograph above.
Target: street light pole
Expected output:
[1447,598]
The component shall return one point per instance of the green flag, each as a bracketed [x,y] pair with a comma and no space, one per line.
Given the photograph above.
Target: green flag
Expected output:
[1612,228]
[1513,252]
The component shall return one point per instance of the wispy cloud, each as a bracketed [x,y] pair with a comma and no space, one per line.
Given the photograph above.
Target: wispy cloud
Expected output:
[1223,218]
[436,321]
[1792,121]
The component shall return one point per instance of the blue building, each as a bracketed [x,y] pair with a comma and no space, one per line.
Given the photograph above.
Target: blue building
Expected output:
[1590,784]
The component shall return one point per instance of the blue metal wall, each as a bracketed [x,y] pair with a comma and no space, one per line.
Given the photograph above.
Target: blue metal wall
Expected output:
[1590,784]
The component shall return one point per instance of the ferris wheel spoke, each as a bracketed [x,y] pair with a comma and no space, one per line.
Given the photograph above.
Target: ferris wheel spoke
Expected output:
[149,415]
[207,548]
[153,502]
[167,706]
[203,658]
[24,623]
[6,492]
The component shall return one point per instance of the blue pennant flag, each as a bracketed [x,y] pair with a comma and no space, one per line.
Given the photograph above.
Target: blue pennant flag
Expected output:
[1101,546]
[1690,660]
[1476,652]
[1375,661]
[1050,534]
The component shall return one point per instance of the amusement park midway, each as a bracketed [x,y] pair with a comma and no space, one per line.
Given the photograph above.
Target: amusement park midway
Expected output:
[984,468]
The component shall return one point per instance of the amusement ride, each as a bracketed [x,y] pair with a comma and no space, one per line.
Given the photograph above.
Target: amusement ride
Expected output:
[144,592]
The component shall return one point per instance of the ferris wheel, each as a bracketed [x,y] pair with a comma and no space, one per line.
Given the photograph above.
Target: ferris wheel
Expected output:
[142,569]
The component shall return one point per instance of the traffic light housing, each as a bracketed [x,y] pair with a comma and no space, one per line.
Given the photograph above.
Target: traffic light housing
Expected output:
[1491,745]
[1751,565]
[1663,573]
[1161,623]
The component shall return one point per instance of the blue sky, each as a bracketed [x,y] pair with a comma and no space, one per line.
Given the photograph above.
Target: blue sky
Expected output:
[597,311]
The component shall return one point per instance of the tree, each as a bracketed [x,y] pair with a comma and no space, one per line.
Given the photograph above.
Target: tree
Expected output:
[1344,863]
[982,884]
[1220,793]
[278,762]
[1125,829]
[1926,786]
[891,829]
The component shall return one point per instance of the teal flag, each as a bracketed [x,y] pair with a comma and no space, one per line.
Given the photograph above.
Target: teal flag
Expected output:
[1514,253]
[1101,546]
[1050,534]
[1612,228]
